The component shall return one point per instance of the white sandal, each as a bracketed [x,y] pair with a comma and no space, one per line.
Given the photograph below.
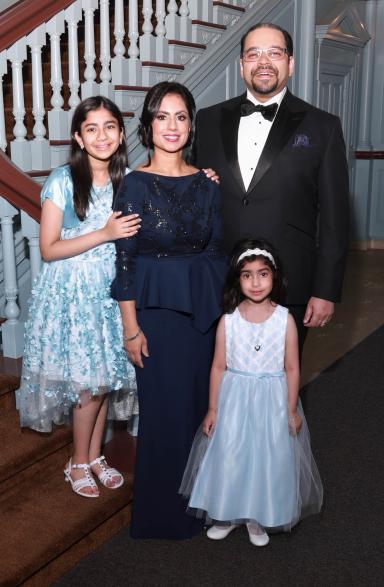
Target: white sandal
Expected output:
[107,473]
[79,484]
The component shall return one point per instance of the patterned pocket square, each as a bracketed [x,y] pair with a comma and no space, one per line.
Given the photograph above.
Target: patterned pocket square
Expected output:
[301,141]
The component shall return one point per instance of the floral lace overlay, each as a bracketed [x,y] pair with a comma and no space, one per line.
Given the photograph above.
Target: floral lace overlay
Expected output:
[73,335]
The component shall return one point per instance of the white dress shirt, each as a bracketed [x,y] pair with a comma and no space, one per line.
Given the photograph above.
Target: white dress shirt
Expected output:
[253,133]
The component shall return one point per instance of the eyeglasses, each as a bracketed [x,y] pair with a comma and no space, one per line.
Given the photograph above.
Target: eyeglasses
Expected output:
[273,53]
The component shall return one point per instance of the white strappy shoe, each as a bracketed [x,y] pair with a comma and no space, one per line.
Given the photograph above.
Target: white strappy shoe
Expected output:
[79,484]
[107,474]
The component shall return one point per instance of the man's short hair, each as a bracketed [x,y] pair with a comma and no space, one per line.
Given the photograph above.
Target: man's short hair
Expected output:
[269,25]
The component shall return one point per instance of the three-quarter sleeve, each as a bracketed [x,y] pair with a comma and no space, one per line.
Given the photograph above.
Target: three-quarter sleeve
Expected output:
[129,201]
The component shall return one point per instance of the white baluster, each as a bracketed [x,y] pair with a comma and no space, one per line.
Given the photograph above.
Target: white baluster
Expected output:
[73,16]
[12,329]
[89,87]
[201,10]
[162,52]
[172,21]
[20,147]
[57,117]
[185,22]
[147,40]
[3,70]
[105,88]
[119,63]
[134,64]
[30,230]
[40,146]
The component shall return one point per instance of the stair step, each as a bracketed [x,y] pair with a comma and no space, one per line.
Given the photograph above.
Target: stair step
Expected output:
[22,447]
[40,511]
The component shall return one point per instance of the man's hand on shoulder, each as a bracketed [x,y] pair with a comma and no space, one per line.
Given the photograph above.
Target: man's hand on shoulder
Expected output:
[318,313]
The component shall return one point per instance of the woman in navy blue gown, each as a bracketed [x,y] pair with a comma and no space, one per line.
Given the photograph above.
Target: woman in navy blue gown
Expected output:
[168,283]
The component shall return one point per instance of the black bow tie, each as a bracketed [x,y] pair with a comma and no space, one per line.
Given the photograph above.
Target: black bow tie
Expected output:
[248,107]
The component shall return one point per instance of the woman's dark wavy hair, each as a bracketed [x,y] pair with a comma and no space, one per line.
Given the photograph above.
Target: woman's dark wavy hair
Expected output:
[152,106]
[78,159]
[232,291]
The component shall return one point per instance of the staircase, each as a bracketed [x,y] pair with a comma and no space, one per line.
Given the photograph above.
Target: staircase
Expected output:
[46,528]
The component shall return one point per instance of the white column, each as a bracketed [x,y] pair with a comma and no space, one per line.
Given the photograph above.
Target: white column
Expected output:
[57,117]
[105,88]
[172,22]
[89,87]
[134,64]
[364,143]
[31,230]
[3,71]
[40,146]
[307,49]
[20,147]
[147,40]
[12,329]
[162,51]
[73,16]
[119,65]
[185,22]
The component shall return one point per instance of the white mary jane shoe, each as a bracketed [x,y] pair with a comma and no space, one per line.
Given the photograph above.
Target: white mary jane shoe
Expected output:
[107,473]
[220,532]
[257,539]
[79,484]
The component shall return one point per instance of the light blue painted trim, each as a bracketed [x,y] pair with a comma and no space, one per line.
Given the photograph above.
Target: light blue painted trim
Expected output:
[307,49]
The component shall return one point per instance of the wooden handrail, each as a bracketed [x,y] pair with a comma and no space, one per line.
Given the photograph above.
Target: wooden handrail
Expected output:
[24,16]
[18,188]
[16,22]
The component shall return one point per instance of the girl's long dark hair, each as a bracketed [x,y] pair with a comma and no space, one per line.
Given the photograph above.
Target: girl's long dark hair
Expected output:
[78,159]
[232,291]
[152,106]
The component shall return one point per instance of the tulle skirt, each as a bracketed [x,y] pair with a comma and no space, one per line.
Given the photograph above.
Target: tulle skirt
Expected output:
[254,467]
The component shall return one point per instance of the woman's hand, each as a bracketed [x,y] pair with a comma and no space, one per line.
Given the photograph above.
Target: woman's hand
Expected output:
[294,423]
[119,226]
[136,348]
[209,422]
[211,174]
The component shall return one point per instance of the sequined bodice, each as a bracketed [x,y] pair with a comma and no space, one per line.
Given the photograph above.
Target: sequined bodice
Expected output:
[180,218]
[177,212]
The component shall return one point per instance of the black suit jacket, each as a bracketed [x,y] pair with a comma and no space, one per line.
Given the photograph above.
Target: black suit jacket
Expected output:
[298,196]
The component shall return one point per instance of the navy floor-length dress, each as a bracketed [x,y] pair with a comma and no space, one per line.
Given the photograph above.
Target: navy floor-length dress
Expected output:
[174,269]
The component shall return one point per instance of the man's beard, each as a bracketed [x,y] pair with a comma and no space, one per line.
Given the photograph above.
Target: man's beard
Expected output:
[263,89]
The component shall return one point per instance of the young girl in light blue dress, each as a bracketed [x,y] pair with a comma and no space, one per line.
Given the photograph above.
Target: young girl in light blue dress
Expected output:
[74,355]
[251,461]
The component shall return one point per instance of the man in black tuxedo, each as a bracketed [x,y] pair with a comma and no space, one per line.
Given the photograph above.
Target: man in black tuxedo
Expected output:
[283,175]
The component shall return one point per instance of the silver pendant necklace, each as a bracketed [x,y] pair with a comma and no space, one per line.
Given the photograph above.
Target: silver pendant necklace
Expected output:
[258,339]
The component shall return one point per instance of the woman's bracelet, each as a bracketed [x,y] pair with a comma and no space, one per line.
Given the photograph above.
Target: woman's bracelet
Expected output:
[129,338]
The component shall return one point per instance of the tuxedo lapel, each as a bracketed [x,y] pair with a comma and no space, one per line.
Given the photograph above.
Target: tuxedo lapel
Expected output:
[284,125]
[229,132]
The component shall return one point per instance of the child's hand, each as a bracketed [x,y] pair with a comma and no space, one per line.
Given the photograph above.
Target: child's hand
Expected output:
[294,423]
[119,226]
[211,174]
[209,422]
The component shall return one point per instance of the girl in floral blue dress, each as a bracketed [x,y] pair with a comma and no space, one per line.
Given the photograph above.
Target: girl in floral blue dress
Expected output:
[74,356]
